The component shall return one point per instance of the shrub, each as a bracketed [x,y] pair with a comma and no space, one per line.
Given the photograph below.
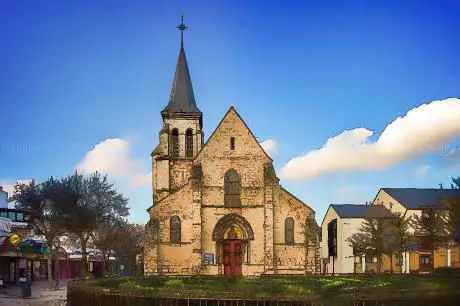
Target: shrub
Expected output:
[447,270]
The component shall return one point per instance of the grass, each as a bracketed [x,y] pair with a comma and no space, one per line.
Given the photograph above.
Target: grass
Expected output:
[304,288]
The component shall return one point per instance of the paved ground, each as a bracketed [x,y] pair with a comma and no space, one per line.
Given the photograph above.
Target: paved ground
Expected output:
[41,296]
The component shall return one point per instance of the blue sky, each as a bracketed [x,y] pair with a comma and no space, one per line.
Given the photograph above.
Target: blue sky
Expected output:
[77,74]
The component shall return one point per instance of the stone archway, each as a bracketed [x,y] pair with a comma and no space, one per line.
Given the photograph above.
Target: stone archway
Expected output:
[227,221]
[232,234]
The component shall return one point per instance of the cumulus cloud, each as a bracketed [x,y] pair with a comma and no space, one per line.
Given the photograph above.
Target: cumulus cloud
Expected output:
[421,130]
[114,157]
[269,145]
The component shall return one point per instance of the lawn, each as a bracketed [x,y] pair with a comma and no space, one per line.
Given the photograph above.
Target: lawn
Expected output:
[302,288]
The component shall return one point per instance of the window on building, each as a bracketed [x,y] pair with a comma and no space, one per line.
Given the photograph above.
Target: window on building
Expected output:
[232,143]
[232,189]
[12,215]
[189,143]
[332,238]
[424,260]
[20,216]
[289,231]
[174,143]
[175,229]
[4,214]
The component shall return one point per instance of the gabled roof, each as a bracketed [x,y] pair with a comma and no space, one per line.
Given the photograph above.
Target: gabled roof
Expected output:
[416,198]
[361,211]
[232,110]
[296,198]
[182,99]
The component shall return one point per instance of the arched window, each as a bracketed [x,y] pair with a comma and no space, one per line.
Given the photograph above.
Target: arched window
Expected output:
[232,189]
[289,231]
[189,143]
[175,229]
[174,143]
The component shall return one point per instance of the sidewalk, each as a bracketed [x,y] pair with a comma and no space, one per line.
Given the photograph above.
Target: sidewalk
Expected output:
[41,295]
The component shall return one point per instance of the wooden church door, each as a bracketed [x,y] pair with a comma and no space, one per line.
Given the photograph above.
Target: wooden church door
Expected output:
[233,259]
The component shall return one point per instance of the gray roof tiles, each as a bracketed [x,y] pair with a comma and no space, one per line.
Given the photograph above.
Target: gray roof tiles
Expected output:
[182,99]
[361,211]
[414,198]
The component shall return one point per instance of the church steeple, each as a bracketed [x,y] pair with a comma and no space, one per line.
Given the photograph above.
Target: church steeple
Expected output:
[181,137]
[182,99]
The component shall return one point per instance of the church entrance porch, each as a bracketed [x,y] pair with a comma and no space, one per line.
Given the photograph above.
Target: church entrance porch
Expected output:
[232,257]
[232,235]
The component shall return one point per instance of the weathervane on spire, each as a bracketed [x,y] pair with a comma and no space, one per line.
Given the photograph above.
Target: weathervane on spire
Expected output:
[182,27]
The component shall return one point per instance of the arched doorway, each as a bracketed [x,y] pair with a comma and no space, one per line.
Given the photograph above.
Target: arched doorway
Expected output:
[232,234]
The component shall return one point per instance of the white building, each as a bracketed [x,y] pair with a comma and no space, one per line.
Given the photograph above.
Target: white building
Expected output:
[339,224]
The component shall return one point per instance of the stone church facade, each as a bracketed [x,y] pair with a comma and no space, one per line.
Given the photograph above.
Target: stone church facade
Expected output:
[218,207]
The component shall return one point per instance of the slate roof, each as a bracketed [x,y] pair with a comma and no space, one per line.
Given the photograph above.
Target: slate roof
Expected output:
[361,211]
[182,99]
[415,198]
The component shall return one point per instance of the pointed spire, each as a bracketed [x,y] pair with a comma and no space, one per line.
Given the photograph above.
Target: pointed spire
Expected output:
[182,99]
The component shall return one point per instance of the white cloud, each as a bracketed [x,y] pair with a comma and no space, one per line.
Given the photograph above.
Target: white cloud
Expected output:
[421,171]
[109,156]
[142,179]
[421,130]
[113,157]
[269,145]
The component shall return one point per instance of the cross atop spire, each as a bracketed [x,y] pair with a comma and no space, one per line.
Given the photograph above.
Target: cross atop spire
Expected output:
[182,27]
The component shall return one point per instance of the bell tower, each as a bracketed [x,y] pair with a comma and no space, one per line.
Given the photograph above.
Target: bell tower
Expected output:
[181,137]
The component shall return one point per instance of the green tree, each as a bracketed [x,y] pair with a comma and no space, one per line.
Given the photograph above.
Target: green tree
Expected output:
[104,239]
[432,228]
[43,201]
[453,204]
[396,237]
[370,241]
[402,236]
[98,202]
[129,244]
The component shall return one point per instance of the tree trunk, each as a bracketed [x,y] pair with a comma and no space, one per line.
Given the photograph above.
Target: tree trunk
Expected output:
[56,272]
[401,259]
[84,259]
[50,273]
[391,263]
[104,263]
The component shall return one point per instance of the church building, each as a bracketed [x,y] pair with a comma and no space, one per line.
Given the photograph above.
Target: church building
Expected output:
[218,207]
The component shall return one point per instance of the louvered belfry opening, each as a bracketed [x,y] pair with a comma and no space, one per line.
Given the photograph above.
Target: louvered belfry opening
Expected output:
[189,143]
[174,143]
